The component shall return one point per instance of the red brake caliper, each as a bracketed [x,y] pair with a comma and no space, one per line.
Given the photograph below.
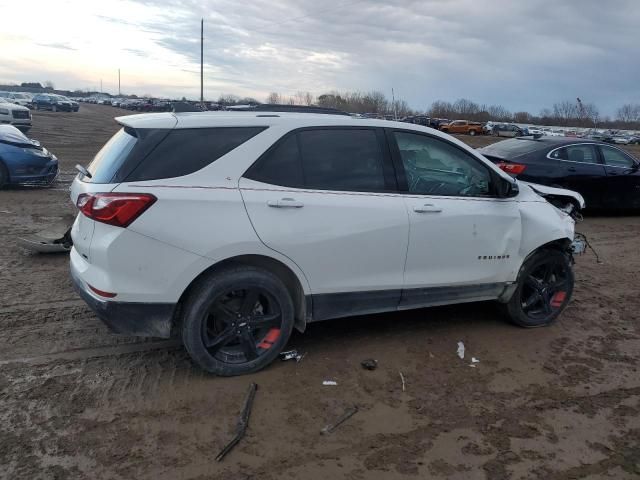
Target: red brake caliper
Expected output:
[557,299]
[270,338]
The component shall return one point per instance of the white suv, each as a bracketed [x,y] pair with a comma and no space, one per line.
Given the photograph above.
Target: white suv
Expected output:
[16,115]
[232,229]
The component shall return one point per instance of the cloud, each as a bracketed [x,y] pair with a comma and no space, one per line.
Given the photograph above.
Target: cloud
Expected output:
[61,46]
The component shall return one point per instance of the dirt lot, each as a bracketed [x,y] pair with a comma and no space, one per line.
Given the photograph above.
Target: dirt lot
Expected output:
[77,402]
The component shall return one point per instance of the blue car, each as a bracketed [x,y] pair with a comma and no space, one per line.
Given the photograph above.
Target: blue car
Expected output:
[24,161]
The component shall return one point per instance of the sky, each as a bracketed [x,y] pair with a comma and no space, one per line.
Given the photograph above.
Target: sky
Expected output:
[524,55]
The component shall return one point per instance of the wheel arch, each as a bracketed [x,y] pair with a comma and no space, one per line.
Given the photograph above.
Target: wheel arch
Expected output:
[560,244]
[292,282]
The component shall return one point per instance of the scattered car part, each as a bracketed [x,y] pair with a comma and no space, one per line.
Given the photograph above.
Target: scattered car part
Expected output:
[402,380]
[243,422]
[460,351]
[291,355]
[330,383]
[369,364]
[343,418]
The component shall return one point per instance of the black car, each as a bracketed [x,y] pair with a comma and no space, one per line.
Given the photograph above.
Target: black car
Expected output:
[606,176]
[55,103]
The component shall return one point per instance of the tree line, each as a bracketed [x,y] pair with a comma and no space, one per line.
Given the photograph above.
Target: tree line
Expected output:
[573,113]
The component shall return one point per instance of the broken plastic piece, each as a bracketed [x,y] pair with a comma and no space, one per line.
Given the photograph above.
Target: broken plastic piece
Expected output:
[290,355]
[461,350]
[369,364]
[345,416]
[243,422]
[54,239]
[330,382]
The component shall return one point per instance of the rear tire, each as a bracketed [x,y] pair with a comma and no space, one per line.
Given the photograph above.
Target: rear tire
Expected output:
[472,133]
[545,286]
[237,320]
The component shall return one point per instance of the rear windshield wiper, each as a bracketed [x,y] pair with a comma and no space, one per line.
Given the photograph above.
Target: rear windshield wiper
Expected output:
[83,170]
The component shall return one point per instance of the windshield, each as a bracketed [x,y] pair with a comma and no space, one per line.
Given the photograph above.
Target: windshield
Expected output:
[109,159]
[512,148]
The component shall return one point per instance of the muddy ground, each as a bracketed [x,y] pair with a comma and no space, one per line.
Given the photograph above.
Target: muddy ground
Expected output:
[76,402]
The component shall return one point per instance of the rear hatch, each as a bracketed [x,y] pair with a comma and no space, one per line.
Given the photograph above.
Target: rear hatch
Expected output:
[111,165]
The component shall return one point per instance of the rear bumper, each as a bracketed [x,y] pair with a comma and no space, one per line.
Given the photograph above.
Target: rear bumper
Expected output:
[127,318]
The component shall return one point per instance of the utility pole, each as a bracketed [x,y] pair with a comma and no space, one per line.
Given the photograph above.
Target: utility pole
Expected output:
[393,101]
[202,61]
[118,82]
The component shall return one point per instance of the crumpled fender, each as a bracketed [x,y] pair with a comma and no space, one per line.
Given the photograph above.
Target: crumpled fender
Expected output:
[557,192]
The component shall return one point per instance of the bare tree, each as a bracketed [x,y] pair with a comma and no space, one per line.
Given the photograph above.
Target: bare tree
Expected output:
[522,117]
[628,113]
[565,111]
[274,98]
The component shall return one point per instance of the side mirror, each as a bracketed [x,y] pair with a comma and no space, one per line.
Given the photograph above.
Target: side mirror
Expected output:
[507,188]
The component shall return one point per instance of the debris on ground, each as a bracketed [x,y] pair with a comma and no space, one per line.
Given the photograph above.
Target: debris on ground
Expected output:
[474,360]
[330,382]
[369,364]
[54,239]
[243,422]
[402,378]
[291,355]
[343,418]
[461,350]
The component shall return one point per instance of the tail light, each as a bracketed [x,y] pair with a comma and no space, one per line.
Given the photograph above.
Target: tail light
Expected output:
[512,168]
[117,209]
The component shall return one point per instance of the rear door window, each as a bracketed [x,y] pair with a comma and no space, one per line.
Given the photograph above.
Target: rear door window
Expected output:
[342,159]
[576,153]
[615,158]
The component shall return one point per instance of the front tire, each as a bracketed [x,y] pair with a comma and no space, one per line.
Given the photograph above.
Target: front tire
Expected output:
[545,286]
[237,321]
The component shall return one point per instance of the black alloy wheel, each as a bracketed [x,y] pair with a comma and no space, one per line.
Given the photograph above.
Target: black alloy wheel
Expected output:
[544,289]
[237,320]
[242,325]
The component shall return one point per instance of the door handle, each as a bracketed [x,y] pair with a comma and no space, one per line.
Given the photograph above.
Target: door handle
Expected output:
[427,208]
[285,203]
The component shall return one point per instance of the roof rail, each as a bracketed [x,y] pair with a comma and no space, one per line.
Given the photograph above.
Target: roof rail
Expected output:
[272,107]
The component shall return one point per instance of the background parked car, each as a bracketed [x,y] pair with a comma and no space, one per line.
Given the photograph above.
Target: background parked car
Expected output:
[16,115]
[606,176]
[463,126]
[506,130]
[55,103]
[18,98]
[23,160]
[75,106]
